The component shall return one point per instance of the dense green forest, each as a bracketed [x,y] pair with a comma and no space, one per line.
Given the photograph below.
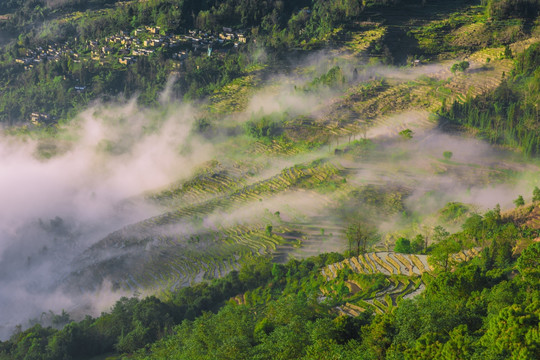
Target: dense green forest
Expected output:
[485,308]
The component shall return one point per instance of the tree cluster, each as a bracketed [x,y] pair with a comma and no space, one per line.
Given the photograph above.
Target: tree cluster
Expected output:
[509,114]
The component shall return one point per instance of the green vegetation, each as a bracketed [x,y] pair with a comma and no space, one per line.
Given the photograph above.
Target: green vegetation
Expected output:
[481,298]
[265,127]
[240,281]
[454,211]
[504,9]
[359,236]
[406,134]
[447,155]
[460,66]
[77,56]
[334,77]
[74,59]
[536,194]
[507,115]
[405,246]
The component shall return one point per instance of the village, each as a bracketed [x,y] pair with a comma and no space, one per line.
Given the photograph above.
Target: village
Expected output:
[125,48]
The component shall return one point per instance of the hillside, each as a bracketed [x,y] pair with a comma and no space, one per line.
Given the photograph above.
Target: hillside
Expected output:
[269,180]
[361,314]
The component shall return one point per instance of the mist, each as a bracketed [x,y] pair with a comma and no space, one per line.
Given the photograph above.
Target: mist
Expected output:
[475,173]
[55,208]
[69,202]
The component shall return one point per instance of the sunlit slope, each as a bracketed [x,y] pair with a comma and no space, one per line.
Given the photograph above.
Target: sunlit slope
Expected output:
[228,214]
[401,276]
[202,237]
[223,217]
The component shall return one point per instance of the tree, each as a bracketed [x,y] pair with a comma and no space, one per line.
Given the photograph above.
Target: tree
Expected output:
[536,194]
[513,333]
[528,263]
[360,235]
[473,227]
[447,155]
[403,245]
[268,230]
[460,345]
[417,245]
[460,66]
[443,248]
[507,53]
[519,201]
[440,234]
[406,134]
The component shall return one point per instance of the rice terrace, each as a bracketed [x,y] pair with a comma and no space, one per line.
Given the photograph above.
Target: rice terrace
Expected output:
[234,179]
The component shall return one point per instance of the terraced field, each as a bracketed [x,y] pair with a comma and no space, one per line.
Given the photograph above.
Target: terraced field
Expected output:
[403,274]
[219,218]
[425,87]
[387,263]
[177,248]
[362,40]
[235,96]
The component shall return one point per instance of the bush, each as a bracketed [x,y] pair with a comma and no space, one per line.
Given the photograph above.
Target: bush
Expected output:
[460,66]
[536,194]
[265,127]
[406,134]
[454,211]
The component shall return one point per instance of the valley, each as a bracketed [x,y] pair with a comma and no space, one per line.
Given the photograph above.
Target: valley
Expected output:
[202,180]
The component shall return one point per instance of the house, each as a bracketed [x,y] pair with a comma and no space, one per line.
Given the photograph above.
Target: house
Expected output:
[25,61]
[226,36]
[39,118]
[142,52]
[153,29]
[126,60]
[182,55]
